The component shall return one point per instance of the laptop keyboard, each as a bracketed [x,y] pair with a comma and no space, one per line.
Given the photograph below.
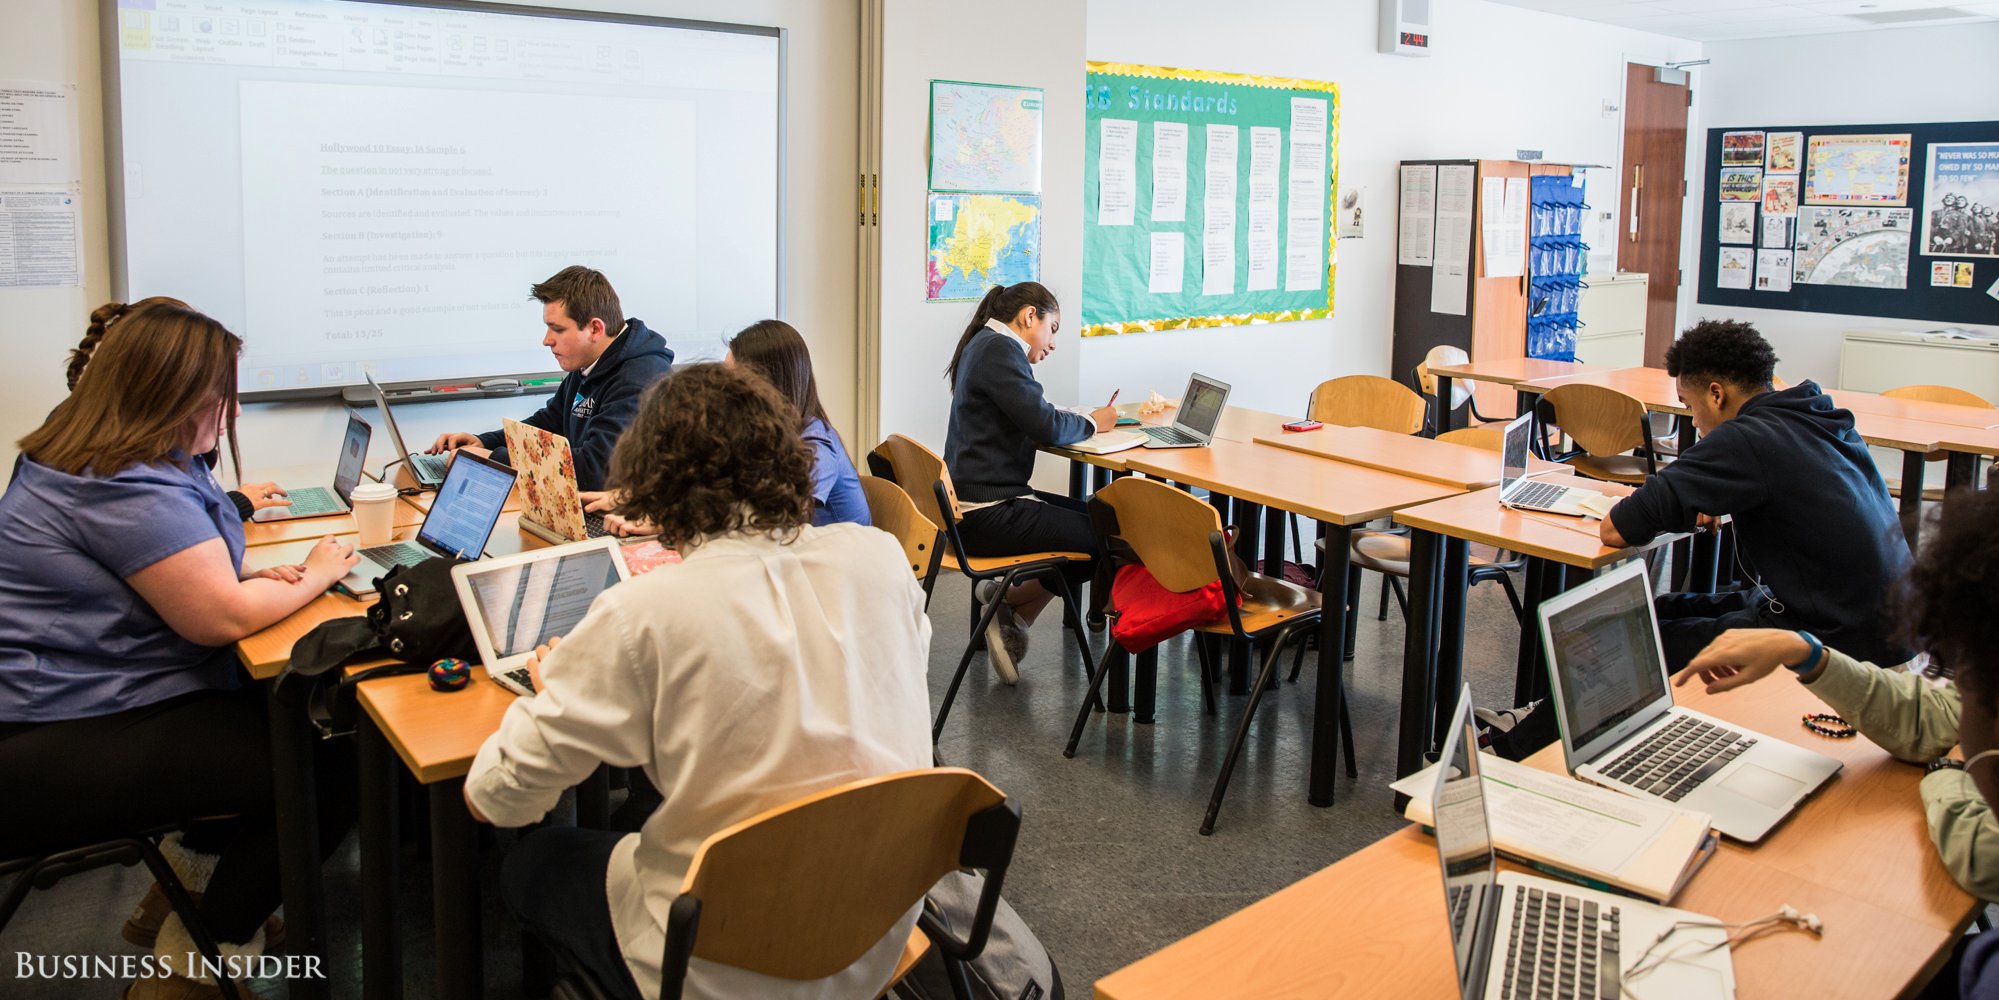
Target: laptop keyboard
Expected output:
[1170,435]
[1460,905]
[1676,759]
[1561,948]
[521,676]
[1539,495]
[397,554]
[312,500]
[430,468]
[593,525]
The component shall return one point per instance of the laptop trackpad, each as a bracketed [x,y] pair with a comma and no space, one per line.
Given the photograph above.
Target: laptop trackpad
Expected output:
[1762,785]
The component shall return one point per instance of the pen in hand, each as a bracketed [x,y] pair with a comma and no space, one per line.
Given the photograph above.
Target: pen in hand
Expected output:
[1114,395]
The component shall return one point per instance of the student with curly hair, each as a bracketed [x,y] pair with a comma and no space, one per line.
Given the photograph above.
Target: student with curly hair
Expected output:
[1815,531]
[776,660]
[1949,606]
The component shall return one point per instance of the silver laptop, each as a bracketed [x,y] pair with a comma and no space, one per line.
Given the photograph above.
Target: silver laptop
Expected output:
[1195,420]
[1516,490]
[1524,936]
[460,521]
[427,470]
[319,501]
[518,602]
[1621,730]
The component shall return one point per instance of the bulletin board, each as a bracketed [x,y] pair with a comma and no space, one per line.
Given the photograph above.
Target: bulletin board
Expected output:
[1255,245]
[1843,242]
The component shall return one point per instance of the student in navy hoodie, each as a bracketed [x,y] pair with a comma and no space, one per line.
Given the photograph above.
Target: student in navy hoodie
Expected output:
[609,359]
[999,417]
[1815,532]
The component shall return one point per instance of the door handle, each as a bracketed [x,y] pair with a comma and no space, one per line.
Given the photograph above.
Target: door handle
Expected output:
[1637,185]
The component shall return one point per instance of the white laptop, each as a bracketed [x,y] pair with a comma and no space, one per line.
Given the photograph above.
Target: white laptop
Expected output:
[427,470]
[1620,729]
[518,602]
[319,501]
[460,522]
[1195,420]
[1516,490]
[1524,936]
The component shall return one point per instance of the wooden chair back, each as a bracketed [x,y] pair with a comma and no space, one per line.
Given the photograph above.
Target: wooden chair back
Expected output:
[1489,438]
[804,890]
[916,468]
[1369,401]
[1936,394]
[893,511]
[1169,530]
[1601,421]
[1443,354]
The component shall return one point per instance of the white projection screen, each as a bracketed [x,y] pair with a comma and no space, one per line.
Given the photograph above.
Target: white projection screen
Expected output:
[362,187]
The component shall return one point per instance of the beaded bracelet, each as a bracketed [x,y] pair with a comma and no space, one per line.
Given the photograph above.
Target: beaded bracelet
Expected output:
[1824,723]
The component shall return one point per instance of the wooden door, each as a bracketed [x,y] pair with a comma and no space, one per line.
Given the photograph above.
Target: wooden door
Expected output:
[1654,185]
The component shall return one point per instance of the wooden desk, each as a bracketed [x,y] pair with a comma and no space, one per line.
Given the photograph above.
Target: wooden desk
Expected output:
[1337,494]
[1373,924]
[1433,647]
[1503,371]
[1239,423]
[1872,809]
[259,533]
[1915,409]
[1652,386]
[1455,465]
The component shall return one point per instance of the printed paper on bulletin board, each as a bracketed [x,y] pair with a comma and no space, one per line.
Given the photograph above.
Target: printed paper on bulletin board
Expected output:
[1207,199]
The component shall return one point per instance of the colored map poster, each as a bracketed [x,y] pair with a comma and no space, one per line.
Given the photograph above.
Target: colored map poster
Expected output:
[985,137]
[1858,170]
[1961,200]
[981,240]
[1860,247]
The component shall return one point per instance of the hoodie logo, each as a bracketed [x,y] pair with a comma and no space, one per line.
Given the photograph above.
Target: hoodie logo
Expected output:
[582,406]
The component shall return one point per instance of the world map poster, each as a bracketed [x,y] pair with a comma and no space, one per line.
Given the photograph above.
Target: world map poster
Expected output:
[1860,247]
[981,240]
[985,137]
[1858,170]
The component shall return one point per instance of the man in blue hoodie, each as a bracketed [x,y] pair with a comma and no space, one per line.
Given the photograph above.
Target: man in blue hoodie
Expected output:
[1815,532]
[610,361]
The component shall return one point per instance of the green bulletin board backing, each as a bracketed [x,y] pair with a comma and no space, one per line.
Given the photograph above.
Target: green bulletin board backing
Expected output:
[1117,259]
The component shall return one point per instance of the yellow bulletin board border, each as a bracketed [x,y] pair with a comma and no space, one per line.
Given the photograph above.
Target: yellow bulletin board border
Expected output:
[1260,81]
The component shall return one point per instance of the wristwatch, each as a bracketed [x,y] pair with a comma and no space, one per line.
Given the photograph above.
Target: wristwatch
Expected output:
[1811,660]
[1942,764]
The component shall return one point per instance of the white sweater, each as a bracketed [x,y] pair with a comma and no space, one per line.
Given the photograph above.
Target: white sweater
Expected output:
[751,674]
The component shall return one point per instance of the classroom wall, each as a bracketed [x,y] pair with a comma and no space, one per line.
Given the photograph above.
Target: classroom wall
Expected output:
[1935,74]
[57,40]
[1501,79]
[922,41]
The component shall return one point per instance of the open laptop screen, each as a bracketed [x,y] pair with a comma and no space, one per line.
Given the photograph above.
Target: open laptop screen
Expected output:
[525,604]
[353,452]
[468,504]
[1605,655]
[1464,847]
[1201,410]
[1519,434]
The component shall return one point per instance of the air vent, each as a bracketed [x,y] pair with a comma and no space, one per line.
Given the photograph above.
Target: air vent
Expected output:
[1908,16]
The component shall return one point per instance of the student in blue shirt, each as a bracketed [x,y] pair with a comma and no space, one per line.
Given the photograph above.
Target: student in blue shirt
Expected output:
[999,417]
[122,590]
[774,350]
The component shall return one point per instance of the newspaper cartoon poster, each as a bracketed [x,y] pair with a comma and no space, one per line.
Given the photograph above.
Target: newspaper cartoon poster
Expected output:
[1961,200]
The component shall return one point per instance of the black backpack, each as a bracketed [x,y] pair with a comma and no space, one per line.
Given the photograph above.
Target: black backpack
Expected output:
[417,620]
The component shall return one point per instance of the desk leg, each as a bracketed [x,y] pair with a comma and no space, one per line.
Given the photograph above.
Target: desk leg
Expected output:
[381,846]
[1961,471]
[1326,699]
[1117,694]
[1076,474]
[297,802]
[1912,496]
[1455,583]
[1419,652]
[1273,541]
[1545,579]
[454,889]
[1445,414]
[1100,477]
[1145,684]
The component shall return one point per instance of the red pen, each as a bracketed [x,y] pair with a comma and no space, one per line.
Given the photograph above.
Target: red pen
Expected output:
[1114,395]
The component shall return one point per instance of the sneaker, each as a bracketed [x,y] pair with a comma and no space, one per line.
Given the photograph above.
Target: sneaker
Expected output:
[143,927]
[999,650]
[1013,635]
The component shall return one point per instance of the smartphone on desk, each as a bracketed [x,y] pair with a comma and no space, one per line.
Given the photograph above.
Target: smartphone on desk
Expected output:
[1303,425]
